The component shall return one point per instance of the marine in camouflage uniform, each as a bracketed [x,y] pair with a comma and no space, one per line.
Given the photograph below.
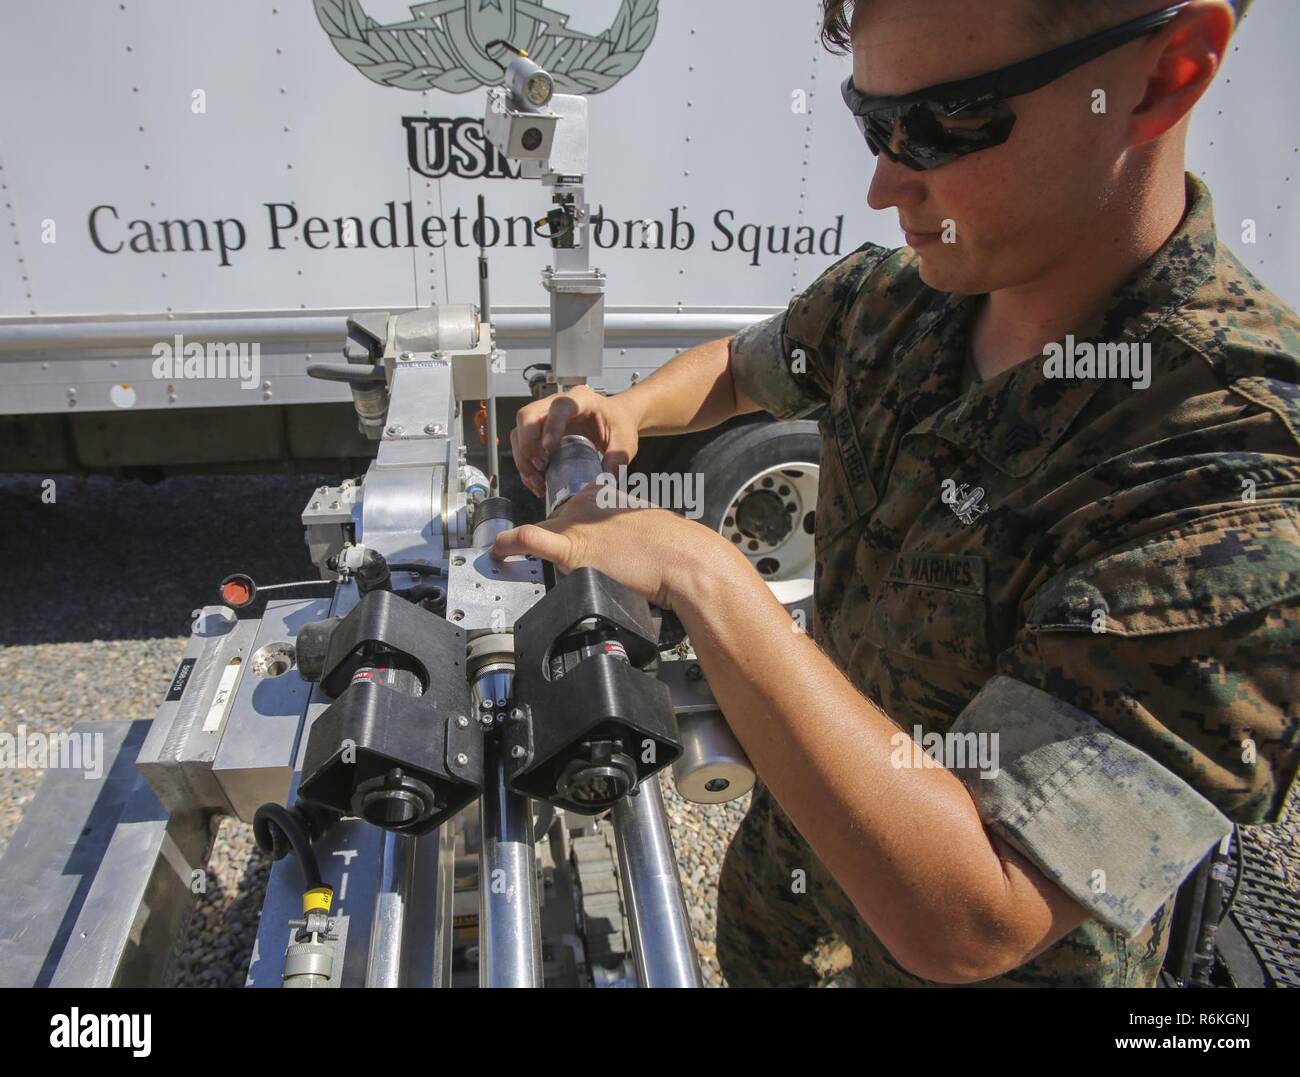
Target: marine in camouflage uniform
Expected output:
[1105,577]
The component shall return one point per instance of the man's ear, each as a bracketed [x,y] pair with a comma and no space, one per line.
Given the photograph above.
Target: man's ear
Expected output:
[1187,56]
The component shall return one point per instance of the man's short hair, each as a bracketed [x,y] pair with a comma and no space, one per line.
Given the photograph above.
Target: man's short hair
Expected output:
[1055,21]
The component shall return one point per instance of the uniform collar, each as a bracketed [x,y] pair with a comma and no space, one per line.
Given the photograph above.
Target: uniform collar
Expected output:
[1014,419]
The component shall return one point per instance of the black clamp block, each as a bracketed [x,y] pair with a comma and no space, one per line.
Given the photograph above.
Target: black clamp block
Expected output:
[591,723]
[383,621]
[397,747]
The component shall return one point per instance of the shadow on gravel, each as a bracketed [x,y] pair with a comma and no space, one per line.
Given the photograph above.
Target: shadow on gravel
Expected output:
[114,559]
[216,946]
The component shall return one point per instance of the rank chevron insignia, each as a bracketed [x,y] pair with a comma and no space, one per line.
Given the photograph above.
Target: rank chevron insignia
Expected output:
[442,45]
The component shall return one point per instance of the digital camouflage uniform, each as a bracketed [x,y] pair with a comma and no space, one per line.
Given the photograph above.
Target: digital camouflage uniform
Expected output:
[1111,585]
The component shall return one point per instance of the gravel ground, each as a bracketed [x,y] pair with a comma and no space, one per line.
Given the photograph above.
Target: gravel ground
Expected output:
[96,620]
[701,834]
[95,623]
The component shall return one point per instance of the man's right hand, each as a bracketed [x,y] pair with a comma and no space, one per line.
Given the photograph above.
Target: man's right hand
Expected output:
[606,420]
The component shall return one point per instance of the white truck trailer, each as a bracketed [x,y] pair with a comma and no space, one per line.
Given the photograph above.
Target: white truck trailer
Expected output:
[236,180]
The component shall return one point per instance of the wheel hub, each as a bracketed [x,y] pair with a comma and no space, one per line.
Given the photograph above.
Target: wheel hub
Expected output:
[762,515]
[770,519]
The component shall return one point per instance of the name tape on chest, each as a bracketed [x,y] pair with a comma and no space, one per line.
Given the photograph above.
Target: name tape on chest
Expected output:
[855,467]
[954,572]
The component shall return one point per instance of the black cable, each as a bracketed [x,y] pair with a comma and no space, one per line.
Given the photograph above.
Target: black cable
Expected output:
[557,234]
[502,41]
[422,592]
[1236,882]
[296,583]
[278,829]
[545,817]
[417,567]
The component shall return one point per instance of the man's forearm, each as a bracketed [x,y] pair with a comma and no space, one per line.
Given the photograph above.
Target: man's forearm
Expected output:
[693,391]
[906,845]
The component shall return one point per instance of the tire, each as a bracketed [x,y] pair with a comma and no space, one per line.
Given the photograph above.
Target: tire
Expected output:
[1254,923]
[778,464]
[1259,940]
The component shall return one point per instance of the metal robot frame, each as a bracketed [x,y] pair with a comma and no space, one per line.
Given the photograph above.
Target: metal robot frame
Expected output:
[417,678]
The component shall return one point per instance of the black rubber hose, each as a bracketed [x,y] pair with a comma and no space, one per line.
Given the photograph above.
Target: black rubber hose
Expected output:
[1240,857]
[416,566]
[502,41]
[422,591]
[278,829]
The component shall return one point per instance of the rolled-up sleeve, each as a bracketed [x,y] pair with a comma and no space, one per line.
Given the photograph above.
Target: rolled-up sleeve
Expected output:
[760,367]
[786,363]
[1114,829]
[1146,703]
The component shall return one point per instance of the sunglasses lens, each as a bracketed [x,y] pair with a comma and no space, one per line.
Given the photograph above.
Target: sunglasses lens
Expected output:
[923,135]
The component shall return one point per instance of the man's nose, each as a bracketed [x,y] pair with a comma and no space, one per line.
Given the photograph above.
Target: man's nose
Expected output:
[894,184]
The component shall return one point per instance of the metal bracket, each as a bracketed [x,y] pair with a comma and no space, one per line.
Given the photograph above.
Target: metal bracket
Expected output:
[484,593]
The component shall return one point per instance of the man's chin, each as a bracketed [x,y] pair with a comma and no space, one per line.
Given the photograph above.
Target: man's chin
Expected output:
[940,272]
[943,271]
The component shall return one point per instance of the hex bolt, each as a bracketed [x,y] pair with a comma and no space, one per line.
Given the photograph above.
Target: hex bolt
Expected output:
[462,759]
[462,721]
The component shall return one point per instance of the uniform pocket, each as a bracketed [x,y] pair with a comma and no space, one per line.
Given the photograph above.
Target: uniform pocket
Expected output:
[1202,575]
[934,608]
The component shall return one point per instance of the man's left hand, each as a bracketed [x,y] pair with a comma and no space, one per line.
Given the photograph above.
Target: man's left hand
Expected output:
[653,551]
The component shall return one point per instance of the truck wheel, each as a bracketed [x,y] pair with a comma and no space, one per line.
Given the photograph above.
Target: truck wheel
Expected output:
[760,493]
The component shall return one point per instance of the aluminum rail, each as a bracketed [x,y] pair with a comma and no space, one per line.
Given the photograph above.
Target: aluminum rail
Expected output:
[510,930]
[663,947]
[386,965]
[324,328]
[485,315]
[85,365]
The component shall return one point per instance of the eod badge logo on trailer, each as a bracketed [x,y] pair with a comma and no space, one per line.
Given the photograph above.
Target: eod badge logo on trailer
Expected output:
[445,43]
[454,45]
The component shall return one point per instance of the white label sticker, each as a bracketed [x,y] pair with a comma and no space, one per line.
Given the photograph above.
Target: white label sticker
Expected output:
[225,689]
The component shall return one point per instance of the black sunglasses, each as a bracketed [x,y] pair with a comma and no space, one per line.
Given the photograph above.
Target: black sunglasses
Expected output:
[931,127]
